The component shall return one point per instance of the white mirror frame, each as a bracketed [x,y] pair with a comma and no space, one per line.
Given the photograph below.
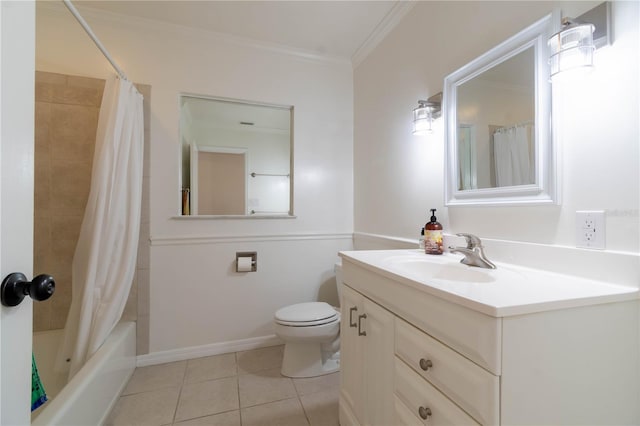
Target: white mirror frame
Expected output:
[545,188]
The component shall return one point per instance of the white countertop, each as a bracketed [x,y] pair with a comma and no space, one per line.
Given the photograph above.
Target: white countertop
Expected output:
[505,291]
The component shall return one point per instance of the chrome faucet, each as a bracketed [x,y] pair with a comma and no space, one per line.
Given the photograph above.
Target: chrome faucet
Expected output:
[473,252]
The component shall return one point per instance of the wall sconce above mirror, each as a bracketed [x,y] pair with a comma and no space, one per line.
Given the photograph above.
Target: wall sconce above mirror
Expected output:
[236,158]
[572,48]
[426,113]
[497,125]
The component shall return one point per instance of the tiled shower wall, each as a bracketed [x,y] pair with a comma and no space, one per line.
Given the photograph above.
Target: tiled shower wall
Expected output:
[66,118]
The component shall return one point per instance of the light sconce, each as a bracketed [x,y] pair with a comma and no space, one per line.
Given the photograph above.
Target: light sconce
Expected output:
[573,46]
[426,113]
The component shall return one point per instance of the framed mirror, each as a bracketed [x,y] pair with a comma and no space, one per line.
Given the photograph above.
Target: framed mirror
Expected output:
[498,125]
[236,158]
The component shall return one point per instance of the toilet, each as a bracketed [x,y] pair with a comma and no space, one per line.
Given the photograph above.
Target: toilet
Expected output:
[311,333]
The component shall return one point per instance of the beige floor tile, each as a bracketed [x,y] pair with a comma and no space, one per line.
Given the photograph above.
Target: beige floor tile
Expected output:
[211,367]
[231,418]
[264,386]
[310,385]
[260,359]
[156,377]
[153,408]
[205,398]
[288,412]
[321,408]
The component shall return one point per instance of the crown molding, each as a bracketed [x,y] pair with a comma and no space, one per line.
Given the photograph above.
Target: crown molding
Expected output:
[388,23]
[143,25]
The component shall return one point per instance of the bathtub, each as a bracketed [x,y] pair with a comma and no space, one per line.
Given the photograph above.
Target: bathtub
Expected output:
[89,397]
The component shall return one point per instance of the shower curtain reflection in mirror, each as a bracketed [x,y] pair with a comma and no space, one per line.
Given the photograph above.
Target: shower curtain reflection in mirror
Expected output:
[512,149]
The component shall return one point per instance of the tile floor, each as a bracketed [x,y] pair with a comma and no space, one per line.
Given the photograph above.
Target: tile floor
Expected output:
[237,389]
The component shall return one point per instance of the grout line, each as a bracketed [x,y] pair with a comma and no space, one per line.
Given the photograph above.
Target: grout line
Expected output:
[184,378]
[238,386]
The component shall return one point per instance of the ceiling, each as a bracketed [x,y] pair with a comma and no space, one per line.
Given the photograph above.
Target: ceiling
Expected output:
[328,28]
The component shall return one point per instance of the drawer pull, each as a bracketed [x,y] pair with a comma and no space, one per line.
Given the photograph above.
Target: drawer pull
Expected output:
[360,332]
[425,364]
[424,413]
[351,321]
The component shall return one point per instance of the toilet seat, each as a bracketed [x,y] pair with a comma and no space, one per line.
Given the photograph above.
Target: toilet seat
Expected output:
[306,314]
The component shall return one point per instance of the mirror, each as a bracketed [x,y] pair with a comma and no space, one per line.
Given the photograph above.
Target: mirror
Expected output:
[236,157]
[497,125]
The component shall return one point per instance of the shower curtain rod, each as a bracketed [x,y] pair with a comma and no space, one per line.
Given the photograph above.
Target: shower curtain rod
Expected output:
[95,39]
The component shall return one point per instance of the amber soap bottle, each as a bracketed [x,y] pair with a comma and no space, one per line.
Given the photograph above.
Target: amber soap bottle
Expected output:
[433,235]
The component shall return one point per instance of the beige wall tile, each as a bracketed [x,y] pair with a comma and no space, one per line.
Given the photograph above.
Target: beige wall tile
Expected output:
[72,133]
[86,82]
[70,186]
[50,77]
[76,96]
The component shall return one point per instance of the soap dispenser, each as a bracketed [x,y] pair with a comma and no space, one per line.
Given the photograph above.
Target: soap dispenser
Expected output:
[433,235]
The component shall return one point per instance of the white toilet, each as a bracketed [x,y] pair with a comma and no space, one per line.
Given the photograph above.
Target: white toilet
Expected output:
[311,332]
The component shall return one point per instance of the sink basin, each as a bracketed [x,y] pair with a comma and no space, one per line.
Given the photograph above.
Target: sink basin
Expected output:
[449,271]
[441,268]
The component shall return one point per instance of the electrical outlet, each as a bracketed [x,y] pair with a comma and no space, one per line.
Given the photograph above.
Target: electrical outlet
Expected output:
[590,229]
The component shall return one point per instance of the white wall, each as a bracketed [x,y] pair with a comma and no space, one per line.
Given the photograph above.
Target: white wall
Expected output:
[195,299]
[398,176]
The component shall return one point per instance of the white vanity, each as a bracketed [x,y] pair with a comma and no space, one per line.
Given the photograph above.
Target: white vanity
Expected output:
[426,340]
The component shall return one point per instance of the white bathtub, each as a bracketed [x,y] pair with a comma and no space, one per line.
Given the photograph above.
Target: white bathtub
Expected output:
[89,397]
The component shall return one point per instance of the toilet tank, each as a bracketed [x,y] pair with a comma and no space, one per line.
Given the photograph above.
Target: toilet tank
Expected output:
[338,270]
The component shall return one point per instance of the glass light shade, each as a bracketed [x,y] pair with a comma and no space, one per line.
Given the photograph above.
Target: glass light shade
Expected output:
[571,48]
[423,117]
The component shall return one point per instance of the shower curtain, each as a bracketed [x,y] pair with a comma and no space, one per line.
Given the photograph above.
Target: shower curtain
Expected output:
[511,149]
[105,257]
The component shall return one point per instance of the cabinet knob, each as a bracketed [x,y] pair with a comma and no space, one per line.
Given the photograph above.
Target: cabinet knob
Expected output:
[424,412]
[352,323]
[425,364]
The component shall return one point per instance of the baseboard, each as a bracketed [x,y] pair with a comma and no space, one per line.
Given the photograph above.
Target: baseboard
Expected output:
[192,352]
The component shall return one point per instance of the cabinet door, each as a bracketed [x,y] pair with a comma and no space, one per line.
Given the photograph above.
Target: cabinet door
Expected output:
[378,364]
[351,359]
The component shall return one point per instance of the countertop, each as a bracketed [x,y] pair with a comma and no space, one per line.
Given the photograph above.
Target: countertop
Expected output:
[506,291]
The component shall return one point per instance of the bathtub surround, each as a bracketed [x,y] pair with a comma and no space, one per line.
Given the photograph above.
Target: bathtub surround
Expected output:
[66,118]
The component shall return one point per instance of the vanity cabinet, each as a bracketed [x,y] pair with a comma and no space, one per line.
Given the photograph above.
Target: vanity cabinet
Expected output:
[367,348]
[427,360]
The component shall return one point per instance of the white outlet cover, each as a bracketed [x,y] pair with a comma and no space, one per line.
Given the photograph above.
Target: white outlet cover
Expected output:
[590,229]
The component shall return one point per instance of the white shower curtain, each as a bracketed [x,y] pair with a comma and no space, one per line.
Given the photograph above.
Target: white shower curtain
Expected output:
[105,257]
[512,159]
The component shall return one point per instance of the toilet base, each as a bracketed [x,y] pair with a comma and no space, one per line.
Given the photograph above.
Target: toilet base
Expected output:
[308,360]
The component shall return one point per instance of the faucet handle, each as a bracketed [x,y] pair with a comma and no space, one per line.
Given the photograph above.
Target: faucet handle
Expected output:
[472,240]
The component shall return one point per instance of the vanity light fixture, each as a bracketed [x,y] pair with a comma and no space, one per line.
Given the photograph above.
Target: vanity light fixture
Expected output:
[426,112]
[573,46]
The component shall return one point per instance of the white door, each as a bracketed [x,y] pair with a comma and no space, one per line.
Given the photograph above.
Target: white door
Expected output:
[17,67]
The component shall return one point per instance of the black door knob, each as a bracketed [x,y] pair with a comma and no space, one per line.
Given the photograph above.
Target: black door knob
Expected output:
[15,287]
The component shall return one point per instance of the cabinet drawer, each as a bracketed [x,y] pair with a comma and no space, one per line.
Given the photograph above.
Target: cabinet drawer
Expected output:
[404,416]
[416,392]
[473,388]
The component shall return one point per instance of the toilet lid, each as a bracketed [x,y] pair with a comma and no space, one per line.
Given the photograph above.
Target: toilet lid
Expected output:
[311,313]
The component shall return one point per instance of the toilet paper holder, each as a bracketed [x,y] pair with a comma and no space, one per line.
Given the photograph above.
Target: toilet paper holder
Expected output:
[254,260]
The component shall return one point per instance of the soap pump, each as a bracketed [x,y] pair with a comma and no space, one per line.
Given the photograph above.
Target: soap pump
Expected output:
[433,235]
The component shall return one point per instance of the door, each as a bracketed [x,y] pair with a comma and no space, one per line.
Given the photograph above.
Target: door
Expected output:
[351,359]
[17,68]
[379,350]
